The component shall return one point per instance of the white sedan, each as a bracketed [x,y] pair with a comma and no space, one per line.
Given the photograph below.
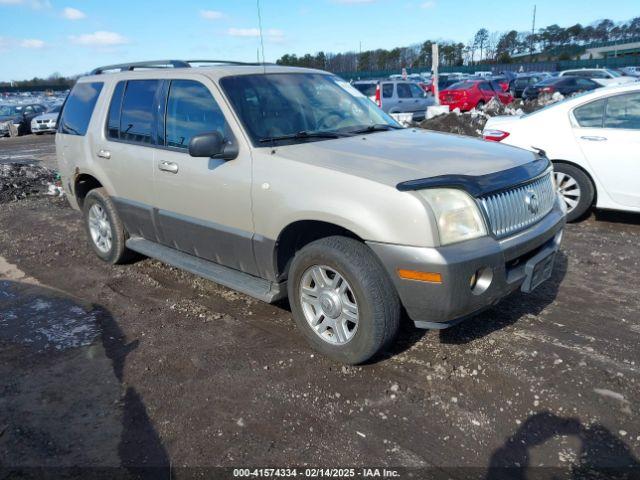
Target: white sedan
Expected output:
[593,140]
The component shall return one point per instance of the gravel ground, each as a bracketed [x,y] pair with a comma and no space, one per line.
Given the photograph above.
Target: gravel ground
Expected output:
[144,364]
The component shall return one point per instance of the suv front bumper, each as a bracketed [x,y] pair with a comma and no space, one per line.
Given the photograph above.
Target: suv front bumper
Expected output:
[507,263]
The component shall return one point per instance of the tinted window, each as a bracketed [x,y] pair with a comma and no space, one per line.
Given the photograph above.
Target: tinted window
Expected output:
[113,121]
[584,83]
[136,117]
[485,86]
[416,91]
[191,110]
[590,115]
[368,89]
[79,107]
[623,111]
[403,90]
[387,90]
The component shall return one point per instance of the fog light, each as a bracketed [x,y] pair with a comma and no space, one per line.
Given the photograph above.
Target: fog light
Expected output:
[481,280]
[473,280]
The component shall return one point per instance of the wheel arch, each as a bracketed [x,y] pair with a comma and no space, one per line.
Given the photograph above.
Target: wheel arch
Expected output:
[296,235]
[83,183]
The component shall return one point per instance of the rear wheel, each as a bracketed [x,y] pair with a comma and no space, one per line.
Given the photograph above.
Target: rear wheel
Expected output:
[575,188]
[342,299]
[104,228]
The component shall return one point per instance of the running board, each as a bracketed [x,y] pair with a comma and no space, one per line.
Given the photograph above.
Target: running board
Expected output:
[242,282]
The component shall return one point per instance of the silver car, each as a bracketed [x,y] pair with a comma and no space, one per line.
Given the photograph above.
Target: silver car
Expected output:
[47,122]
[397,96]
[288,182]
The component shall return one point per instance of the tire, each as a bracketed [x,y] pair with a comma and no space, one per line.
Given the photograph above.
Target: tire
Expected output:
[480,105]
[114,251]
[368,287]
[576,188]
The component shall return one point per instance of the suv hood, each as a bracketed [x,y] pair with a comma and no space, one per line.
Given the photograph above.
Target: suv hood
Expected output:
[400,155]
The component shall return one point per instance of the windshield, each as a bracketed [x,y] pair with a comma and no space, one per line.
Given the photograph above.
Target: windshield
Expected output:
[288,104]
[613,73]
[466,85]
[6,110]
[55,109]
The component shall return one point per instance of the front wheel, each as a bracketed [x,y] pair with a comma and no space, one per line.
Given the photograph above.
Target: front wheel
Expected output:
[342,299]
[575,188]
[480,105]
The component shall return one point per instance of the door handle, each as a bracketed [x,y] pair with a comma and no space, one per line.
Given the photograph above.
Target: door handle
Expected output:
[168,167]
[104,154]
[594,138]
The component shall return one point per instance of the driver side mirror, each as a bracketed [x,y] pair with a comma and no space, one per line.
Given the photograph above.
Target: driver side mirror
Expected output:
[212,145]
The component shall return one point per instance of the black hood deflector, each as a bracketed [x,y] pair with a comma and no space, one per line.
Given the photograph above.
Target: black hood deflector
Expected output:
[481,185]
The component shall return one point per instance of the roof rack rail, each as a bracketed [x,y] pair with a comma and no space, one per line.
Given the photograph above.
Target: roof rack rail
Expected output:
[129,67]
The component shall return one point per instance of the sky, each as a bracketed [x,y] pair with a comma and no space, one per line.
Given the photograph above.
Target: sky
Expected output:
[40,37]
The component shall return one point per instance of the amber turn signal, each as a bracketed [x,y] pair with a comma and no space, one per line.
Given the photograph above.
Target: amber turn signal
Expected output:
[430,277]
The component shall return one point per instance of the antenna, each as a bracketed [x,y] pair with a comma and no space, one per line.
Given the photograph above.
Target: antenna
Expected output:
[261,36]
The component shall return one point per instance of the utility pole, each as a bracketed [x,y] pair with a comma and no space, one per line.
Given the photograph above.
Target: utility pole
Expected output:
[533,29]
[435,61]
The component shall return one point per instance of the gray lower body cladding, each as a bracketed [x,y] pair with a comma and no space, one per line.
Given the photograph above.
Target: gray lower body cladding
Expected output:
[438,305]
[229,247]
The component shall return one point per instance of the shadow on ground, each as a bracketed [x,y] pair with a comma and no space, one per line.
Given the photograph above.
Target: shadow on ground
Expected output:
[66,404]
[601,455]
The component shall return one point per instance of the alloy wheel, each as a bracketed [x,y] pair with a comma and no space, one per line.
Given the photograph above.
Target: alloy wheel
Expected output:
[568,189]
[329,304]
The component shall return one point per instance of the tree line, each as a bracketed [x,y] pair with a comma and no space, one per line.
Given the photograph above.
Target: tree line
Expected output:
[553,41]
[53,80]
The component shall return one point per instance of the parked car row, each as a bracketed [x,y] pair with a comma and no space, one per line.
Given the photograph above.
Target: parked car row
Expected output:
[26,118]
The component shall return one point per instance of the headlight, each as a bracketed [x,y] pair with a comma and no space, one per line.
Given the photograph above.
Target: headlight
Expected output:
[457,215]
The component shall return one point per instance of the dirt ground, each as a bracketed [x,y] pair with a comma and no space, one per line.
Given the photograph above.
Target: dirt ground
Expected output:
[146,365]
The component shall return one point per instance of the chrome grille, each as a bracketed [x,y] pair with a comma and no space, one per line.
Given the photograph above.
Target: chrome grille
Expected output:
[513,210]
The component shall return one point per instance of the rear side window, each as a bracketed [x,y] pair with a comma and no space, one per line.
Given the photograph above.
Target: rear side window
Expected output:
[591,114]
[136,117]
[113,122]
[403,90]
[191,110]
[78,109]
[387,90]
[623,111]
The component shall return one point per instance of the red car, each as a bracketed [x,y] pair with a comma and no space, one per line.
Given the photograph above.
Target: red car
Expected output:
[470,94]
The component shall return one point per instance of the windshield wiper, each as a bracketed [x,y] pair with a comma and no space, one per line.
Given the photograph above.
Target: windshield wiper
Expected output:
[302,135]
[376,127]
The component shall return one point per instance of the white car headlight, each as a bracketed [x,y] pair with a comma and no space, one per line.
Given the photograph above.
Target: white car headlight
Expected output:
[457,215]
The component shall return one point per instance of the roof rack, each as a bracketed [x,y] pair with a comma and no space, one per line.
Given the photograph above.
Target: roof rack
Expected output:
[129,67]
